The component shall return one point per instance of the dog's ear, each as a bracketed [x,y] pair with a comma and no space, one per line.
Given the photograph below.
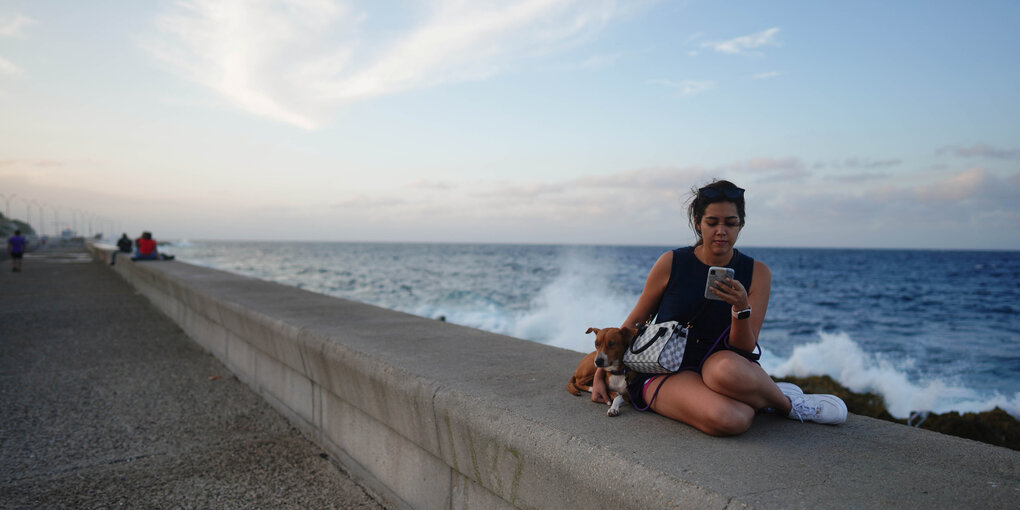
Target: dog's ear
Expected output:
[629,333]
[590,330]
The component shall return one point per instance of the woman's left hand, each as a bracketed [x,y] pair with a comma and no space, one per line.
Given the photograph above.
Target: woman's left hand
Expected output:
[733,292]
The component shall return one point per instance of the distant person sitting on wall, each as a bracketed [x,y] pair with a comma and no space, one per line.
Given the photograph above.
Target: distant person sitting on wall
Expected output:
[124,243]
[16,247]
[147,250]
[123,246]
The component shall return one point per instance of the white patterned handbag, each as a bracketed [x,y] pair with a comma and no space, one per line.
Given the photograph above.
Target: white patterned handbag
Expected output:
[658,349]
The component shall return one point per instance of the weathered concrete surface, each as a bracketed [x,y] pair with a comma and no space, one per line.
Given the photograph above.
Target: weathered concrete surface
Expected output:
[106,403]
[435,415]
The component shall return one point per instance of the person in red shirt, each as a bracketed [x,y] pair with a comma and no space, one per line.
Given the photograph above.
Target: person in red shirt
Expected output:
[146,248]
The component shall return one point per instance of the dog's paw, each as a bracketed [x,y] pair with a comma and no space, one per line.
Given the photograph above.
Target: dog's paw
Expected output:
[612,412]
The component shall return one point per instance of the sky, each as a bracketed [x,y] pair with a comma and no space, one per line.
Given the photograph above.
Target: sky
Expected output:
[850,124]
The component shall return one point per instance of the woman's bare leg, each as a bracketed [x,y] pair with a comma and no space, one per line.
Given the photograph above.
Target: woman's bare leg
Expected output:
[685,398]
[730,374]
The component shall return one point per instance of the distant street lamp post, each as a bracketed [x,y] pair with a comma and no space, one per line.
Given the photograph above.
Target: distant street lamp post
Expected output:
[75,214]
[56,220]
[7,209]
[80,224]
[42,219]
[54,214]
[28,210]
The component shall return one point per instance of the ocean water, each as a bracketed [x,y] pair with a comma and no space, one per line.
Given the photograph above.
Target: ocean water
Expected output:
[928,330]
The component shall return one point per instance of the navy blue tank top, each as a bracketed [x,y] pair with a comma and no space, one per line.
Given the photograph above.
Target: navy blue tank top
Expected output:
[685,296]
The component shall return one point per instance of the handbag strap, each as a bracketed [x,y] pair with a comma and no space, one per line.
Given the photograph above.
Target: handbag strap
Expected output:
[656,394]
[750,355]
[725,333]
[725,338]
[634,347]
[641,329]
[689,325]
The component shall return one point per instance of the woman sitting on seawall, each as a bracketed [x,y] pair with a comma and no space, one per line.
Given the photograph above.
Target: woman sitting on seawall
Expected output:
[720,385]
[145,249]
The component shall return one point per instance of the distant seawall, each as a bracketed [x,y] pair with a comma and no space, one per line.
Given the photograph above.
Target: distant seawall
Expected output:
[429,414]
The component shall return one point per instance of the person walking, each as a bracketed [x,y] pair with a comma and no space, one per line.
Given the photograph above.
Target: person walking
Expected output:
[16,247]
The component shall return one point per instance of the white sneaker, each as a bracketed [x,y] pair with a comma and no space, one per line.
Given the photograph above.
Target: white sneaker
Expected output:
[828,409]
[790,389]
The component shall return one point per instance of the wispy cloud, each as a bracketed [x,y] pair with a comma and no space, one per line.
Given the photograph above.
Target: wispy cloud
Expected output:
[932,211]
[773,169]
[686,87]
[874,163]
[976,183]
[870,205]
[32,162]
[363,202]
[9,69]
[600,61]
[428,184]
[291,61]
[524,191]
[858,177]
[767,75]
[648,178]
[12,26]
[744,44]
[980,150]
[855,162]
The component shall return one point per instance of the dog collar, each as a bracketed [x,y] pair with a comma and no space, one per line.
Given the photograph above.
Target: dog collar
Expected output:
[620,372]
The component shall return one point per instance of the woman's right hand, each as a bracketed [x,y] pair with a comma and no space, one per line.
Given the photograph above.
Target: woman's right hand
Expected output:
[598,387]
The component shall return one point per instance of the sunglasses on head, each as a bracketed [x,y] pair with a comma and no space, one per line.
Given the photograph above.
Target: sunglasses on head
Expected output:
[730,193]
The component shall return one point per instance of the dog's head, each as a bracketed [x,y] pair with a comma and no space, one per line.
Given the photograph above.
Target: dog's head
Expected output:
[611,344]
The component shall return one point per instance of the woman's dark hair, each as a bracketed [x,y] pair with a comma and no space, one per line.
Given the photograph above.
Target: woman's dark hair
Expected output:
[699,202]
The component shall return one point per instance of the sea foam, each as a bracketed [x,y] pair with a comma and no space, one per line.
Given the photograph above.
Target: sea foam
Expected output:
[580,297]
[838,356]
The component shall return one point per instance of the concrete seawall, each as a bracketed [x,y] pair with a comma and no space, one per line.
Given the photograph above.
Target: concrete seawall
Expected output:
[434,415]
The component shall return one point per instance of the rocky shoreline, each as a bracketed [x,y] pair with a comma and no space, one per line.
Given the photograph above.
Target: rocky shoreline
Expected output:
[995,427]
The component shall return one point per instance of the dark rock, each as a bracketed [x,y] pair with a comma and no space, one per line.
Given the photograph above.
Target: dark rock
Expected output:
[995,427]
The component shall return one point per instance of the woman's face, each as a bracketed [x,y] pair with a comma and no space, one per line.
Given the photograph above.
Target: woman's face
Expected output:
[719,227]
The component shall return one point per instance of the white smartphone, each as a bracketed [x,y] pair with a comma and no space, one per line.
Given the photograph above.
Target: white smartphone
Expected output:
[716,275]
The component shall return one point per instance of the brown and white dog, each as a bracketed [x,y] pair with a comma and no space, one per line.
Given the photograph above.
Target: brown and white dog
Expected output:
[610,345]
